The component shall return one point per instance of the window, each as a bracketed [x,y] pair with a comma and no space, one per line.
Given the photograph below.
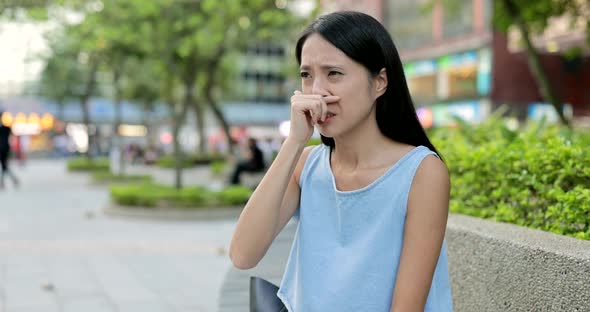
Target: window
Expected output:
[409,22]
[458,19]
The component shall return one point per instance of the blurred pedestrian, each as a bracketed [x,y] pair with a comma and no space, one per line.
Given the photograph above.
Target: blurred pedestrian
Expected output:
[372,199]
[254,162]
[5,134]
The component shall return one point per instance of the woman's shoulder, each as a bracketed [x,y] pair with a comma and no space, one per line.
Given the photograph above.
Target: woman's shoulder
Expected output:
[432,171]
[305,155]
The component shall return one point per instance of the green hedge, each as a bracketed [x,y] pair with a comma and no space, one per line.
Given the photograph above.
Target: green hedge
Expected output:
[538,176]
[314,141]
[83,164]
[154,195]
[168,161]
[218,167]
[102,176]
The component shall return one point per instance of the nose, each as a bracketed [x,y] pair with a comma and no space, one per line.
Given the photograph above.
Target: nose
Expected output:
[319,87]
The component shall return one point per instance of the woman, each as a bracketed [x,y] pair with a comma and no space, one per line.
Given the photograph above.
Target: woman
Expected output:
[372,199]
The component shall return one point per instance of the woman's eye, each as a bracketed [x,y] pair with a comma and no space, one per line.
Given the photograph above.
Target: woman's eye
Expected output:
[304,75]
[334,73]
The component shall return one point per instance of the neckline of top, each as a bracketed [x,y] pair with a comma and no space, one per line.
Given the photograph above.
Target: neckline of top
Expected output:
[376,181]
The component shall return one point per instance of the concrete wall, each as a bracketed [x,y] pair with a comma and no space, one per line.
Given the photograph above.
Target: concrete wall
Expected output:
[503,267]
[493,267]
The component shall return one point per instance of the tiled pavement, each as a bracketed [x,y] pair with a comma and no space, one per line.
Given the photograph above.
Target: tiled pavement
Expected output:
[235,290]
[59,252]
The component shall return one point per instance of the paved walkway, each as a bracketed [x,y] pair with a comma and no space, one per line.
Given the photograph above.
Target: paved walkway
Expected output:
[235,296]
[59,252]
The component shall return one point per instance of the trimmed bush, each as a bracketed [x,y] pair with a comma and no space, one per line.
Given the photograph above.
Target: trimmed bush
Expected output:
[155,195]
[538,176]
[168,161]
[314,141]
[108,177]
[218,167]
[235,195]
[83,164]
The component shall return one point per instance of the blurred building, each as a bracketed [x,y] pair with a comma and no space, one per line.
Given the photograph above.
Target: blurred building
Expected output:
[457,64]
[259,97]
[38,120]
[258,101]
[261,75]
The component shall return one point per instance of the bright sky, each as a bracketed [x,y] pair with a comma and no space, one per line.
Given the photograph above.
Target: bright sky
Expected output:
[20,42]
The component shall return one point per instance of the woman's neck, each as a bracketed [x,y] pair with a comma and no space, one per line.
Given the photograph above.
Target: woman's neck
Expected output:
[361,148]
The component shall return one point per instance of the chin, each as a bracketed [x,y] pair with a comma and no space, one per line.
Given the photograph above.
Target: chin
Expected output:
[328,134]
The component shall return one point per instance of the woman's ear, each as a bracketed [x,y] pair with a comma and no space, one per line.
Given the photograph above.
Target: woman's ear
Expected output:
[380,83]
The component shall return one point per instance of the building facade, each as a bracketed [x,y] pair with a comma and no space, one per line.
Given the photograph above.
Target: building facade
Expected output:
[457,64]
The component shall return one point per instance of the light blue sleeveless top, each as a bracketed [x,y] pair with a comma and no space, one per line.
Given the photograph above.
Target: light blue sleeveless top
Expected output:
[347,246]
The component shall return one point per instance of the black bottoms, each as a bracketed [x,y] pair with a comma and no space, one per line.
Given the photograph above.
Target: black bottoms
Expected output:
[243,167]
[4,154]
[4,159]
[263,296]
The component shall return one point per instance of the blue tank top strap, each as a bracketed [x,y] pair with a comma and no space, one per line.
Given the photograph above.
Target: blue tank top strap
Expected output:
[312,158]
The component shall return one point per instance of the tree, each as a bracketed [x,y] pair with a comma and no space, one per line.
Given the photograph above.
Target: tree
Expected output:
[141,83]
[257,21]
[119,47]
[189,39]
[60,77]
[184,41]
[532,17]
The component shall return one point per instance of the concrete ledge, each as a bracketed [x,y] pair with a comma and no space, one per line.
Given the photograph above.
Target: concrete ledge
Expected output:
[493,266]
[174,213]
[504,267]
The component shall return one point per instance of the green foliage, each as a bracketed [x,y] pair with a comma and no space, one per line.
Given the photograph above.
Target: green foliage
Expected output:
[83,164]
[104,176]
[62,73]
[168,161]
[235,195]
[313,142]
[154,195]
[535,13]
[538,176]
[218,167]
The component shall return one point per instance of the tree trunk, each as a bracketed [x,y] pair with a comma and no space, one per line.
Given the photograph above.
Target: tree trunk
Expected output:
[178,157]
[534,62]
[178,120]
[60,109]
[117,140]
[147,121]
[200,119]
[219,115]
[178,154]
[211,72]
[84,101]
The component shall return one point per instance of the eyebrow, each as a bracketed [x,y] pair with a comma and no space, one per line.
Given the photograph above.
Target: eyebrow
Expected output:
[324,67]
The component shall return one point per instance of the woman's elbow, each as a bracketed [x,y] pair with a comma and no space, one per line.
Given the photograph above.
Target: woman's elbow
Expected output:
[241,261]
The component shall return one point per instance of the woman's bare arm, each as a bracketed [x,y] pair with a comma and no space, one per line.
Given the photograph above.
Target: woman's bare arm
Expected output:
[425,226]
[270,207]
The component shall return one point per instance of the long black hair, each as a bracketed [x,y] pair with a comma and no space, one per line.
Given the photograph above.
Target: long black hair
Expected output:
[365,40]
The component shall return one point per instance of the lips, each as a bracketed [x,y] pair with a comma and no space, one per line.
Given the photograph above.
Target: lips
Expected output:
[329,116]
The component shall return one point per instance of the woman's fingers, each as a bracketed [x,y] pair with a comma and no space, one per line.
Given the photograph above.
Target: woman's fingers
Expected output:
[316,105]
[331,98]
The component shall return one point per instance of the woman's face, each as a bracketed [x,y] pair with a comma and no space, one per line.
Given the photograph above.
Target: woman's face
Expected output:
[326,70]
